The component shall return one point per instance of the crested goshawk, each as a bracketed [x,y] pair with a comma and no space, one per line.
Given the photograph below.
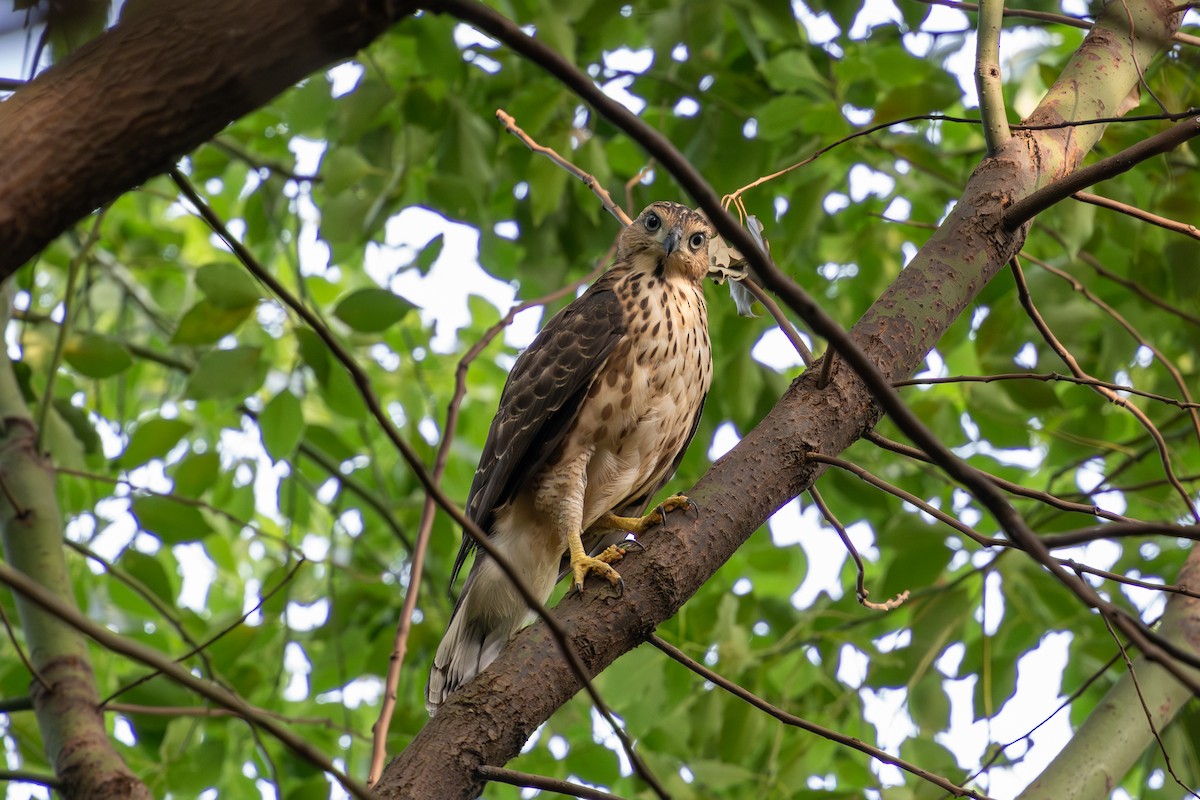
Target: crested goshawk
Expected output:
[593,420]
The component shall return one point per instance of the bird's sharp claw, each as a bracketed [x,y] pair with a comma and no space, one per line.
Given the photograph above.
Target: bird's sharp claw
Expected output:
[585,564]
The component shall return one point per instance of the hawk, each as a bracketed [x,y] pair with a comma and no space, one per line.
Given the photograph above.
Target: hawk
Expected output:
[593,420]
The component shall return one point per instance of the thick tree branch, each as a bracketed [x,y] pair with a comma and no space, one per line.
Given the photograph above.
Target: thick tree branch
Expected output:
[529,680]
[97,124]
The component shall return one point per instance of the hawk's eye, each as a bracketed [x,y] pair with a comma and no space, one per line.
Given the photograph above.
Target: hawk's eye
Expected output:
[652,222]
[697,241]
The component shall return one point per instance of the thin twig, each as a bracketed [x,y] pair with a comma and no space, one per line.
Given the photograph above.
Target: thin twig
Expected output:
[1045,16]
[237,623]
[1064,354]
[12,637]
[514,778]
[1009,486]
[64,329]
[798,722]
[1162,358]
[781,320]
[25,776]
[860,588]
[588,179]
[1047,377]
[1186,228]
[1137,686]
[1137,288]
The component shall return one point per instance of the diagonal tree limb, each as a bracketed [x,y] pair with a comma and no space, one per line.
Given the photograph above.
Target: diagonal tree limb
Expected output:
[768,467]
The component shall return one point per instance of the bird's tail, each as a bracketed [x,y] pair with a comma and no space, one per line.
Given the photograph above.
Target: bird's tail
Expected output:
[489,611]
[468,646]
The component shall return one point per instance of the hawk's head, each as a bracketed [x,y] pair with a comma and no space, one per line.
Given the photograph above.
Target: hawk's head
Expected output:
[668,239]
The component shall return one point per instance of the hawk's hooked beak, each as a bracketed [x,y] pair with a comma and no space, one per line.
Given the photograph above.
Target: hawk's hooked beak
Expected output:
[671,242]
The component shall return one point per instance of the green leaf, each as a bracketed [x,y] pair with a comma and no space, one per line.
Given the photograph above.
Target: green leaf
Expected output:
[196,473]
[170,521]
[206,323]
[96,356]
[372,310]
[227,286]
[282,425]
[152,438]
[343,168]
[226,373]
[429,253]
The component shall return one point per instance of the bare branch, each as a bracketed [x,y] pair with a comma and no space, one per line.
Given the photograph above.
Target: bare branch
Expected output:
[791,719]
[514,778]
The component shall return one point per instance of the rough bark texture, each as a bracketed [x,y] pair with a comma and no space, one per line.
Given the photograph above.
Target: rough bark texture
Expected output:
[491,718]
[129,104]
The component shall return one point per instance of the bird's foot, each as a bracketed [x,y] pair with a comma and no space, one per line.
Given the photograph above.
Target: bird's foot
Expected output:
[583,564]
[639,525]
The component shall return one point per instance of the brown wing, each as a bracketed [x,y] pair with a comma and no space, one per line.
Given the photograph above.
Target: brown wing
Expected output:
[540,400]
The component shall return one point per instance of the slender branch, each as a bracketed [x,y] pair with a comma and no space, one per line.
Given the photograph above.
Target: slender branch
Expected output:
[987,76]
[137,651]
[514,778]
[12,637]
[791,719]
[1162,358]
[1013,488]
[781,320]
[1027,303]
[1047,377]
[64,329]
[1137,288]
[25,776]
[1029,207]
[1186,228]
[860,589]
[588,179]
[362,383]
[207,712]
[1045,16]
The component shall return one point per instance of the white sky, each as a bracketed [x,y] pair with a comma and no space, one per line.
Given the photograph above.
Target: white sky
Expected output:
[442,296]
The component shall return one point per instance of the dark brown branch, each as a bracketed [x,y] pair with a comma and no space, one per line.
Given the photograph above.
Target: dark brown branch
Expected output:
[514,778]
[1187,229]
[1029,207]
[799,722]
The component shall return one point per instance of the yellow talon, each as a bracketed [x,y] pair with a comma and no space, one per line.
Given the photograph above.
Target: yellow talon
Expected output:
[639,525]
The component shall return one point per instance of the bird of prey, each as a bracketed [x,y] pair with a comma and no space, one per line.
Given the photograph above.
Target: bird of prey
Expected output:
[593,420]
